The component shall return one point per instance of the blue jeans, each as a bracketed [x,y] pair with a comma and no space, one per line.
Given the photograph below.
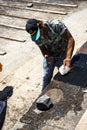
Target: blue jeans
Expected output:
[48,69]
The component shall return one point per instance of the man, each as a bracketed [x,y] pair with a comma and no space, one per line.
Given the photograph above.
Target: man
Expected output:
[55,42]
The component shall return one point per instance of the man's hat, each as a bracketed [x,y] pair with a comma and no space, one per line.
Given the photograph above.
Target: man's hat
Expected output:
[32,27]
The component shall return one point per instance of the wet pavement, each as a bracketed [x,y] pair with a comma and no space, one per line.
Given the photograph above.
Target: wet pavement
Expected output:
[65,113]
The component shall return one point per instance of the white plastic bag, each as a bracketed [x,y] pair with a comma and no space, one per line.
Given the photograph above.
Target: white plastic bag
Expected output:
[64,69]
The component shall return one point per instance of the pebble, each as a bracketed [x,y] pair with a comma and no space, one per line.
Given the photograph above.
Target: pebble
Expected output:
[29,4]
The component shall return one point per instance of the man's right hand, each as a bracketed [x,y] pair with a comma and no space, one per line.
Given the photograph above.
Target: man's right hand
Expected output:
[49,58]
[67,62]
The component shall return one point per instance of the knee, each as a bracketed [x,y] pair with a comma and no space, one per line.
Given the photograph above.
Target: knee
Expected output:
[47,76]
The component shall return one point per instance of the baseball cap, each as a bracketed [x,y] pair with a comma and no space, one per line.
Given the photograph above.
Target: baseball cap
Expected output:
[32,27]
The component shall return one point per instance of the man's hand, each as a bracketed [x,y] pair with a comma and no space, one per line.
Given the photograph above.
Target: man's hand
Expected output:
[67,62]
[49,58]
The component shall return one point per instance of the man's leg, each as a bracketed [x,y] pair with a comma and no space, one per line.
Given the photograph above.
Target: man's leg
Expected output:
[48,73]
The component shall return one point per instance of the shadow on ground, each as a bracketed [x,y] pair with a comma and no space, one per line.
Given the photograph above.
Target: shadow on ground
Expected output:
[78,74]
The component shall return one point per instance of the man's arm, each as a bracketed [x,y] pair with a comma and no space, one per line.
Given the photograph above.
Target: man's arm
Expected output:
[44,51]
[46,54]
[70,47]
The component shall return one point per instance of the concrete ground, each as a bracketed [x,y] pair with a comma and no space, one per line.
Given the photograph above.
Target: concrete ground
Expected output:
[22,65]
